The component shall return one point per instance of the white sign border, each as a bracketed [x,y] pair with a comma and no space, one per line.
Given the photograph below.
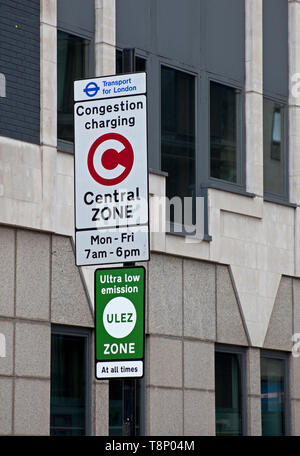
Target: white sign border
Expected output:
[147,160]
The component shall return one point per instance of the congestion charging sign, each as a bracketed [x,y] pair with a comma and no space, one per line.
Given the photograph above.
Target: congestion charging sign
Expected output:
[119,322]
[111,170]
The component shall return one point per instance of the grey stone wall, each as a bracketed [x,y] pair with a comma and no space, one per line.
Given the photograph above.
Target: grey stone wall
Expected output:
[190,306]
[40,286]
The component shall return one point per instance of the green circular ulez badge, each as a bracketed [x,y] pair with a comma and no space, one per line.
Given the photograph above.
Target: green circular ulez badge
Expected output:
[119,317]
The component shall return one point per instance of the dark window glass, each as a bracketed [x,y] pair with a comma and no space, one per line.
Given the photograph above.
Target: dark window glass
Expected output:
[224,132]
[140,63]
[119,63]
[274,166]
[228,394]
[116,406]
[178,133]
[68,385]
[72,54]
[272,396]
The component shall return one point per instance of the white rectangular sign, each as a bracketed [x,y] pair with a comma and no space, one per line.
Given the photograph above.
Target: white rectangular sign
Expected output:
[119,369]
[111,172]
[110,86]
[112,246]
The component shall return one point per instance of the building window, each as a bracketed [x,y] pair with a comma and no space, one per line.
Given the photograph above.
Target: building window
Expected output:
[140,63]
[119,62]
[72,64]
[178,135]
[117,406]
[230,387]
[274,151]
[225,126]
[274,395]
[69,383]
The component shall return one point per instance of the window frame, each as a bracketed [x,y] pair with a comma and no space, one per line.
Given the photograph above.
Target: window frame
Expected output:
[138,55]
[183,69]
[73,29]
[202,131]
[275,32]
[269,196]
[85,333]
[284,356]
[240,351]
[240,185]
[192,72]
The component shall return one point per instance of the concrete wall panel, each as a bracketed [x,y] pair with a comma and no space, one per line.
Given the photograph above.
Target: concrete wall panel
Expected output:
[199,299]
[33,345]
[280,330]
[7,271]
[196,420]
[230,329]
[165,295]
[199,367]
[165,412]
[7,337]
[33,275]
[32,407]
[6,400]
[69,303]
[164,362]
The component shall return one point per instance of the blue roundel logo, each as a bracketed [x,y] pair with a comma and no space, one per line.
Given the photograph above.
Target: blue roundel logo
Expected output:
[91,89]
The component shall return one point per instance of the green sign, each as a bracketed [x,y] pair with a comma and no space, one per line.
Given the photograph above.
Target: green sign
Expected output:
[119,322]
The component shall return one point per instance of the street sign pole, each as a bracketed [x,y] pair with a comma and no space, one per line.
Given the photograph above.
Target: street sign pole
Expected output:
[129,384]
[129,417]
[128,59]
[112,218]
[129,408]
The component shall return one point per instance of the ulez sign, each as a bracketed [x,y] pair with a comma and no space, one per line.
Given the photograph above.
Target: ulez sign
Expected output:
[119,322]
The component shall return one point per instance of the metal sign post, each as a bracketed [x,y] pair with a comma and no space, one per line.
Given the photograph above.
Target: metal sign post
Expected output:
[112,217]
[128,61]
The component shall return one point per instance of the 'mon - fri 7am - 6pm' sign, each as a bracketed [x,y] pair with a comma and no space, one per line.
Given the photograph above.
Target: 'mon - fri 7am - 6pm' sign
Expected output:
[111,170]
[119,322]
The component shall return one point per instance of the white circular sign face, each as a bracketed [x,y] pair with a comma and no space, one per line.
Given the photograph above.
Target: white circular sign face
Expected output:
[119,317]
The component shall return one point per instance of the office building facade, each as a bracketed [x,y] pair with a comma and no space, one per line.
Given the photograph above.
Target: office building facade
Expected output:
[222,312]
